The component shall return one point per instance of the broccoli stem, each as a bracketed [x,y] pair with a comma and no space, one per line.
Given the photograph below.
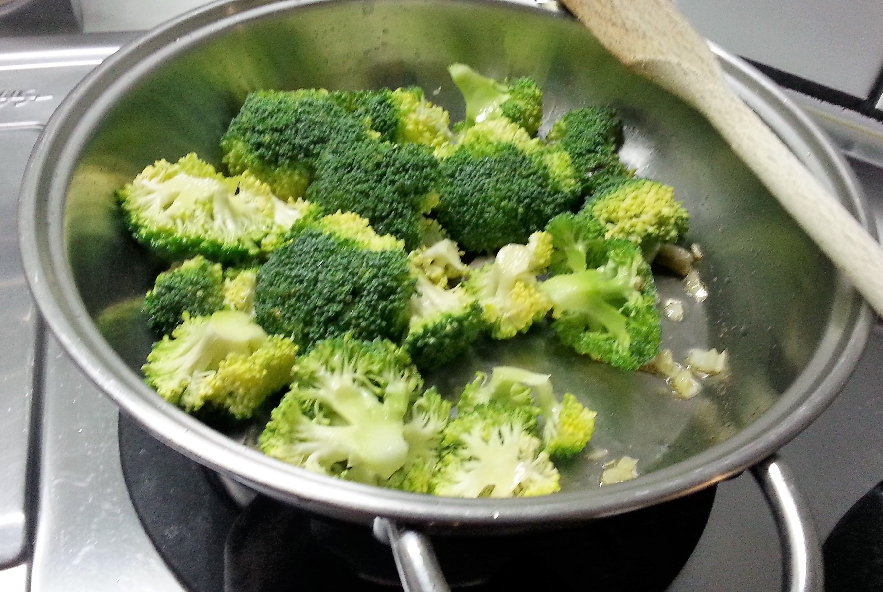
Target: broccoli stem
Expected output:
[590,295]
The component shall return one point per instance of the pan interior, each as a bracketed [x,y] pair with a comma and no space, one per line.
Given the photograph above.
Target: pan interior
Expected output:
[772,297]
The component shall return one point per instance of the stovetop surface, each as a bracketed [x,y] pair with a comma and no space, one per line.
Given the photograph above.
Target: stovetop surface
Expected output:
[81,531]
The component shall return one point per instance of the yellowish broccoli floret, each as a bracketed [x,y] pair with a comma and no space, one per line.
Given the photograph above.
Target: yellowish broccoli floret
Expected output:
[352,226]
[565,426]
[239,285]
[508,290]
[519,100]
[224,360]
[642,211]
[345,412]
[420,121]
[188,208]
[489,452]
[424,424]
[440,262]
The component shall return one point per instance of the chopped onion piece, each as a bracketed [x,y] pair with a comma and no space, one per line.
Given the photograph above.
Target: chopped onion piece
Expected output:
[694,286]
[597,454]
[617,471]
[662,364]
[685,384]
[673,309]
[696,251]
[674,258]
[708,361]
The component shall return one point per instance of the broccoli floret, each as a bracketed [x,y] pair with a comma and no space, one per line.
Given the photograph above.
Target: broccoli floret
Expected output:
[325,284]
[277,135]
[197,287]
[402,115]
[445,318]
[491,452]
[588,130]
[574,237]
[392,185]
[592,136]
[642,211]
[440,262]
[498,186]
[351,226]
[444,323]
[344,414]
[519,100]
[239,286]
[606,308]
[484,139]
[424,424]
[193,287]
[508,289]
[187,208]
[224,361]
[565,426]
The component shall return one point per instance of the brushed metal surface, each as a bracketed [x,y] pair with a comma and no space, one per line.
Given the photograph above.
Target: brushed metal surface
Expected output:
[18,334]
[34,77]
[37,73]
[89,538]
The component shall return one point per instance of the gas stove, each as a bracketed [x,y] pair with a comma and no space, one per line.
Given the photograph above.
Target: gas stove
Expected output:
[90,502]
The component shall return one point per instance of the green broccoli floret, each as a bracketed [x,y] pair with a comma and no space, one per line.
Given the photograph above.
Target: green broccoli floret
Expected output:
[491,452]
[642,211]
[223,361]
[519,100]
[392,185]
[344,414]
[193,287]
[565,426]
[574,238]
[277,135]
[592,136]
[444,323]
[327,283]
[446,319]
[508,289]
[197,287]
[424,424]
[498,186]
[187,208]
[588,130]
[605,308]
[402,115]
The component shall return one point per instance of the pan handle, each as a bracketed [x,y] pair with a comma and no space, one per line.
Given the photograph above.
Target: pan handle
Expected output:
[415,558]
[802,569]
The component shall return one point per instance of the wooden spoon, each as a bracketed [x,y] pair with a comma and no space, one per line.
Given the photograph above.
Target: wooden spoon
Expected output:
[653,39]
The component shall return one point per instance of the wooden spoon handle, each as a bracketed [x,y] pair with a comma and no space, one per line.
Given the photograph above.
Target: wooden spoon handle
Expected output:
[823,217]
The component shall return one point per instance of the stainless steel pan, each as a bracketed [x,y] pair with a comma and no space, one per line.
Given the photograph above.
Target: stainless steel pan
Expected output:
[792,326]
